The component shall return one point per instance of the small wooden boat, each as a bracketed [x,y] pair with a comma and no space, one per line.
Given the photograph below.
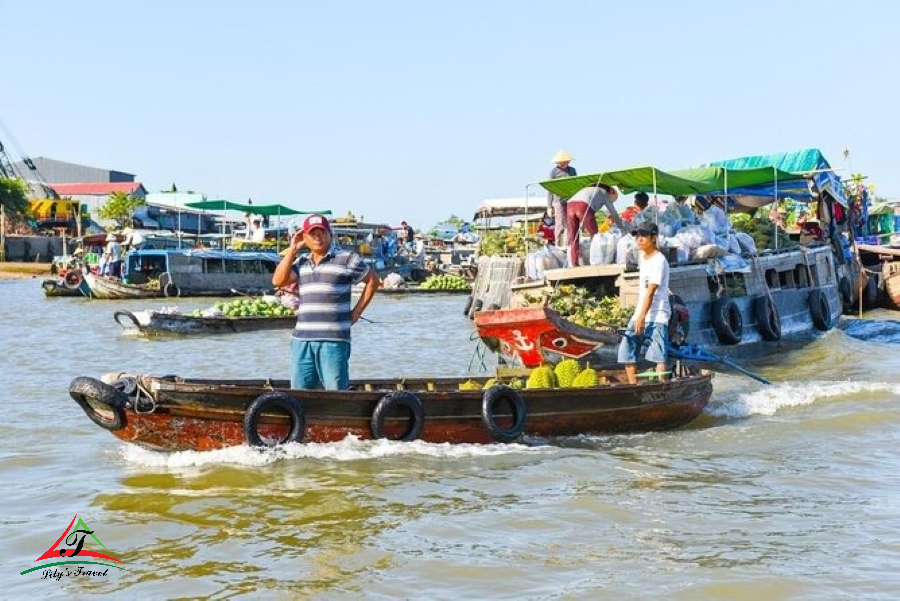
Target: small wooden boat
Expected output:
[172,413]
[54,287]
[150,323]
[111,288]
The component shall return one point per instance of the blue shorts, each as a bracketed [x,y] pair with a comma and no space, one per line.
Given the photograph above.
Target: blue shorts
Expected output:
[320,364]
[658,336]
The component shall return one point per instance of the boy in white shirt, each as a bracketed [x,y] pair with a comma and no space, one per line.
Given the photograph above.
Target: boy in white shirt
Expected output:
[651,315]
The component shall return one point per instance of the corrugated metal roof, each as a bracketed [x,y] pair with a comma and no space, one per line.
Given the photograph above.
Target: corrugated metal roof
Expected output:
[97,188]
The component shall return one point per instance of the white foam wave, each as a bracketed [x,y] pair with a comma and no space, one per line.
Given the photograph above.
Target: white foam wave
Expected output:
[769,399]
[349,449]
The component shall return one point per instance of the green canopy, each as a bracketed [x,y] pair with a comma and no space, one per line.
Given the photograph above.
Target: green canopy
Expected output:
[700,180]
[227,205]
[217,205]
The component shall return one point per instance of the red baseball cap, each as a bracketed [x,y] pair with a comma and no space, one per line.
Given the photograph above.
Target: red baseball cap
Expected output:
[314,221]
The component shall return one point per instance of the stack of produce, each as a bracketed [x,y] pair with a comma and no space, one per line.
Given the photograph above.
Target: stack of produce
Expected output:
[579,306]
[445,282]
[506,242]
[245,307]
[765,233]
[567,374]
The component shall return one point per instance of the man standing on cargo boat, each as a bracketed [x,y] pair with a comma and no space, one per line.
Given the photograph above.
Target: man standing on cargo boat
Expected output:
[556,205]
[650,321]
[320,342]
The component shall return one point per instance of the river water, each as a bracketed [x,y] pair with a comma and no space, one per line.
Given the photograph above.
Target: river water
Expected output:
[782,492]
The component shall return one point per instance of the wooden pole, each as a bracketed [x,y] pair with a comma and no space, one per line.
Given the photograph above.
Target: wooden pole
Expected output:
[2,233]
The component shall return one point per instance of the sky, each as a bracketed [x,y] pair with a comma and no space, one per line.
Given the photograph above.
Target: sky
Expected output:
[419,110]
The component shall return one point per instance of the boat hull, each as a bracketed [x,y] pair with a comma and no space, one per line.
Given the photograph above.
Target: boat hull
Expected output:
[155,323]
[107,288]
[176,414]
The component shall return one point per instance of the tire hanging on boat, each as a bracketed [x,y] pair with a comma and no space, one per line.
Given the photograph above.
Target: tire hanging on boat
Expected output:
[501,393]
[171,290]
[871,290]
[847,295]
[48,285]
[84,389]
[469,302]
[131,316]
[768,322]
[727,320]
[820,310]
[399,399]
[266,402]
[73,279]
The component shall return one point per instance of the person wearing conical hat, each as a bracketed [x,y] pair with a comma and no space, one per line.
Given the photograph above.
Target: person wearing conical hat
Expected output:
[556,205]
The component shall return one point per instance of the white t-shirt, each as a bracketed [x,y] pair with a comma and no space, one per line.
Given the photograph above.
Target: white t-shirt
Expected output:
[655,270]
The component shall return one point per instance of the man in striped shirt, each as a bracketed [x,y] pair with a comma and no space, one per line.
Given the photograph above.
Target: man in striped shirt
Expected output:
[320,342]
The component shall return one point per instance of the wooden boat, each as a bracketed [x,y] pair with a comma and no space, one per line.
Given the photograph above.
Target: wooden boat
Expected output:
[104,287]
[151,323]
[171,413]
[882,263]
[154,273]
[533,333]
[54,287]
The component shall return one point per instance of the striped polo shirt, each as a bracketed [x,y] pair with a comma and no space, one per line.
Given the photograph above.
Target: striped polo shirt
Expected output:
[324,291]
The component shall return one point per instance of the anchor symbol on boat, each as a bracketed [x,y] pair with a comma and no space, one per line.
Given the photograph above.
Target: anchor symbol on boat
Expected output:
[522,342]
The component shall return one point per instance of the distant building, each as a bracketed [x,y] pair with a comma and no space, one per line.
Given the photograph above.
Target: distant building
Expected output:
[51,170]
[94,195]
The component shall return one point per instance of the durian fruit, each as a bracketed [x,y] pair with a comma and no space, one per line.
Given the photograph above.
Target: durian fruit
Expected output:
[469,385]
[566,371]
[586,379]
[489,383]
[542,377]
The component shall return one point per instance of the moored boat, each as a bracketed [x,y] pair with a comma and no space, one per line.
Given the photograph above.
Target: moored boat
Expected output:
[172,413]
[153,323]
[735,302]
[154,273]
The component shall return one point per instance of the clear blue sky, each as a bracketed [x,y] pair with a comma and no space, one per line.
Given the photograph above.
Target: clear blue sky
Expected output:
[418,110]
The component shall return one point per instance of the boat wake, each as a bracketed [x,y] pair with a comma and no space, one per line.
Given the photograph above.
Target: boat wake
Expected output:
[769,400]
[874,330]
[349,449]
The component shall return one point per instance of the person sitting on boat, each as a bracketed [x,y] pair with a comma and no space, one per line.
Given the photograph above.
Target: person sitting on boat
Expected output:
[581,212]
[641,202]
[650,321]
[320,341]
[257,232]
[811,231]
[547,229]
[112,254]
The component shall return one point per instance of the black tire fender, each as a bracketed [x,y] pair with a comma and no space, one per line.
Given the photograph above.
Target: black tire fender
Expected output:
[171,290]
[820,310]
[848,296]
[84,389]
[48,285]
[768,322]
[837,247]
[73,279]
[274,399]
[399,399]
[118,315]
[727,320]
[501,393]
[469,302]
[871,291]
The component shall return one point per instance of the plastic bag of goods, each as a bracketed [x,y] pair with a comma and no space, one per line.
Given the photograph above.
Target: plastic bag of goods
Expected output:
[626,251]
[394,281]
[603,248]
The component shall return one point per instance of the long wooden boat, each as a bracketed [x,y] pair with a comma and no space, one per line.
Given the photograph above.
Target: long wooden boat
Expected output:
[154,323]
[172,413]
[103,287]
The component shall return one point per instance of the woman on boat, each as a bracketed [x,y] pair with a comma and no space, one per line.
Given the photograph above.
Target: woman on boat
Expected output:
[320,342]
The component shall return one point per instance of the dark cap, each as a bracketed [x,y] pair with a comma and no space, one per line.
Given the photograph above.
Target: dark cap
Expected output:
[646,229]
